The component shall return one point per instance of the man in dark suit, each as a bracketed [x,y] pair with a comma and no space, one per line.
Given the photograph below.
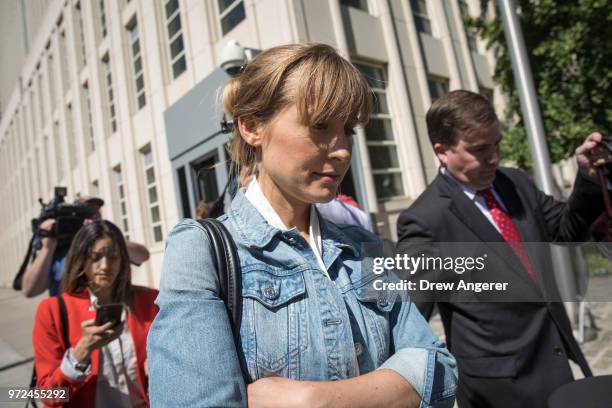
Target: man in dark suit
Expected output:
[509,354]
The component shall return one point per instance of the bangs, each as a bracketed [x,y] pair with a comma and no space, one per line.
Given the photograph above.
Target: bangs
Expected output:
[330,88]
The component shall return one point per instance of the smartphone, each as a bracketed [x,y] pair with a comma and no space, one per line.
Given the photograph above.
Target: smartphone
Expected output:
[108,313]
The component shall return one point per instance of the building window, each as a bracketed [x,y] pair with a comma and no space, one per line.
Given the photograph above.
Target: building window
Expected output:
[103,27]
[57,145]
[81,35]
[134,39]
[382,147]
[358,4]
[108,78]
[27,120]
[32,112]
[421,17]
[70,135]
[151,193]
[182,182]
[89,130]
[41,100]
[65,68]
[95,189]
[122,201]
[231,13]
[204,173]
[486,92]
[437,87]
[469,32]
[174,30]
[46,157]
[51,81]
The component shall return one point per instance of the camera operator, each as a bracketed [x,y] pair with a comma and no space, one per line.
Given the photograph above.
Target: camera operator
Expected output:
[45,271]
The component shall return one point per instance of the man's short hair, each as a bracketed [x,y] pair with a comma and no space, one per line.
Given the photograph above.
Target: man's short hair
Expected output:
[89,200]
[457,111]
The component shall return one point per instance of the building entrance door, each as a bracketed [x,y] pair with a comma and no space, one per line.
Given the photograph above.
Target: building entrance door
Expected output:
[205,178]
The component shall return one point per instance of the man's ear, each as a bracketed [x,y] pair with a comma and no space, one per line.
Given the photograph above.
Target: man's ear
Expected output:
[250,132]
[440,151]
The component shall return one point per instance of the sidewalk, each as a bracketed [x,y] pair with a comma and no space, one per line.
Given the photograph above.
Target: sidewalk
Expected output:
[16,321]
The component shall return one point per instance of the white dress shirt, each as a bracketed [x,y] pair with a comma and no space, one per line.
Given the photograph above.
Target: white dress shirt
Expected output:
[263,206]
[339,212]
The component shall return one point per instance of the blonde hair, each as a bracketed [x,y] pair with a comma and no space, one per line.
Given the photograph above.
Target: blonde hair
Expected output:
[323,85]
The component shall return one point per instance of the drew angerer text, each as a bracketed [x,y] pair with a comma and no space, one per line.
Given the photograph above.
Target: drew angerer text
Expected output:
[425,285]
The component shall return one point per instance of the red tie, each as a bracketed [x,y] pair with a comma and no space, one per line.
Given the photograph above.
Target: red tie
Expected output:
[508,230]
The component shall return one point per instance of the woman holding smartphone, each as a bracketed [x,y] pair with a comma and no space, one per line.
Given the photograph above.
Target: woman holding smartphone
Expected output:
[313,333]
[104,362]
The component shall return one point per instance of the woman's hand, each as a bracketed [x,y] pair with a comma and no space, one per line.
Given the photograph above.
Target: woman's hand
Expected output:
[280,392]
[379,388]
[94,337]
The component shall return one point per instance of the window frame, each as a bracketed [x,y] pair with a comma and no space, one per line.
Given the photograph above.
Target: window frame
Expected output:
[390,142]
[147,150]
[132,39]
[472,41]
[421,16]
[431,80]
[89,127]
[177,36]
[225,12]
[121,212]
[364,5]
[107,78]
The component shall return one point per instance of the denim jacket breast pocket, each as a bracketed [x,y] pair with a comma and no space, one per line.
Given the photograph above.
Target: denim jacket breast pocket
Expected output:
[376,306]
[274,329]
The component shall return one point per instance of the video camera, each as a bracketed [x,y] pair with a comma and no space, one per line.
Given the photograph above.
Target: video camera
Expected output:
[68,220]
[68,217]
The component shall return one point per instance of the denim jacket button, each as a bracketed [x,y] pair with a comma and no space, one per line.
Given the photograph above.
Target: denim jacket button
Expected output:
[292,241]
[358,349]
[270,292]
[382,301]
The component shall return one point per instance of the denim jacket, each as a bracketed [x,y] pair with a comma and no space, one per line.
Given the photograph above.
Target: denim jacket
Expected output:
[296,322]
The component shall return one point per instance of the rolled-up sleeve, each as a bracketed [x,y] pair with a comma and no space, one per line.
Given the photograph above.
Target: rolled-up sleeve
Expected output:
[421,358]
[192,356]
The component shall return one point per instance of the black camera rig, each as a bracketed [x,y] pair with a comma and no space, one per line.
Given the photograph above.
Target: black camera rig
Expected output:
[68,220]
[68,217]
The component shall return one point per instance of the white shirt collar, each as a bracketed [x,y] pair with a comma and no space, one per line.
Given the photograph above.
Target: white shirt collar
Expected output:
[472,194]
[261,203]
[257,198]
[468,191]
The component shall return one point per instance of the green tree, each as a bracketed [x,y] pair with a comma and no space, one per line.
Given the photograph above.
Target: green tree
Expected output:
[569,48]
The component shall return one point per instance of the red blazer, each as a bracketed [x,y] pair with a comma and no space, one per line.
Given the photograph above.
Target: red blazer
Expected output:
[49,347]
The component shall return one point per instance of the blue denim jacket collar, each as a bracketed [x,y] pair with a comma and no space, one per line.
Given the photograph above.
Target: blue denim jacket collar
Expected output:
[254,232]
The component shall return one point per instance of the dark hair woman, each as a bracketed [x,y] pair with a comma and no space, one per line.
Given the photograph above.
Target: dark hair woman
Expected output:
[103,364]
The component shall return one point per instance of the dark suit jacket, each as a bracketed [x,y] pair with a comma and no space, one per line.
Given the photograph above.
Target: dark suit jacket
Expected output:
[509,354]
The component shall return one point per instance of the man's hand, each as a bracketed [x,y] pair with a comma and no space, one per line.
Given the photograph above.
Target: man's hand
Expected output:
[47,225]
[591,155]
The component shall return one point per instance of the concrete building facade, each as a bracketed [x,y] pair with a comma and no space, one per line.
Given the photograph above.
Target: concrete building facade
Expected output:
[118,98]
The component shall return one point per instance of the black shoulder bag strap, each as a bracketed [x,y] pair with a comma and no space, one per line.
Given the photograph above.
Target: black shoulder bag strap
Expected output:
[64,318]
[227,265]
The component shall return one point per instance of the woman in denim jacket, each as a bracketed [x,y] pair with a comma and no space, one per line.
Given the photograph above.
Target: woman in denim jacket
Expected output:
[313,332]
